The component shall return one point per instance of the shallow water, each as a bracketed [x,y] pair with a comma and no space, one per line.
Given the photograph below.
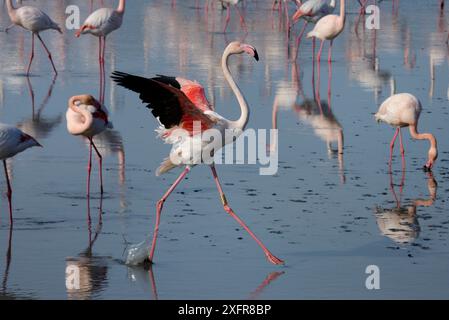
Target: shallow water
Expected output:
[329,217]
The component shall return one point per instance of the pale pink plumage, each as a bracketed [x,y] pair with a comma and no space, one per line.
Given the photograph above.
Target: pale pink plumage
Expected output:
[12,142]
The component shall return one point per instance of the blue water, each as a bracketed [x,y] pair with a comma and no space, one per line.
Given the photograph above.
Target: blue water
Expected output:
[320,213]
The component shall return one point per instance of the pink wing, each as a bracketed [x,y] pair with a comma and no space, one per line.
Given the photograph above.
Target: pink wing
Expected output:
[196,93]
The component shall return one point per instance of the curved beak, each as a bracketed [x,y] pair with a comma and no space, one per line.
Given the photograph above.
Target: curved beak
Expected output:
[251,51]
[256,55]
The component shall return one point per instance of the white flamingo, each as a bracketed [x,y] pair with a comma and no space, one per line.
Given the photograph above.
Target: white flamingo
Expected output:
[34,20]
[12,142]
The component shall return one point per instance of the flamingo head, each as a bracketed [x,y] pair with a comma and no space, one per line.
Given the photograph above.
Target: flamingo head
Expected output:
[433,155]
[85,99]
[237,47]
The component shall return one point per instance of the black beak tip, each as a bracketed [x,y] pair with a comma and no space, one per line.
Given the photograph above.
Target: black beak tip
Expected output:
[256,55]
[427,169]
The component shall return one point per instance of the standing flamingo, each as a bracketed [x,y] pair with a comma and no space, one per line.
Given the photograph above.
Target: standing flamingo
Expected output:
[34,20]
[328,28]
[312,11]
[403,110]
[101,23]
[12,142]
[176,111]
[230,3]
[87,117]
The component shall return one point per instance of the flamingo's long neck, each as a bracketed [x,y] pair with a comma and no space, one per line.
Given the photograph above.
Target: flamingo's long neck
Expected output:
[433,150]
[121,6]
[342,12]
[243,120]
[11,9]
[80,127]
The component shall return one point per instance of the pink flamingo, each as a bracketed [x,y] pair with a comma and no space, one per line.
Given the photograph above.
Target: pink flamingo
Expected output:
[101,23]
[403,110]
[234,3]
[87,117]
[312,11]
[12,142]
[328,28]
[34,20]
[176,111]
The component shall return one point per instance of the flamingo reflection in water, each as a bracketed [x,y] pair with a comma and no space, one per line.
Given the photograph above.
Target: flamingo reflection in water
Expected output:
[314,112]
[38,125]
[144,275]
[400,223]
[92,271]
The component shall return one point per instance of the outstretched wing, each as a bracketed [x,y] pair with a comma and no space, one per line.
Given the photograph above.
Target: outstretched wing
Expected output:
[192,89]
[165,100]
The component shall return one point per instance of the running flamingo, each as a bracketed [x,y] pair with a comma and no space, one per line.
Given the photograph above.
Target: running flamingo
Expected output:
[175,111]
[403,110]
[12,142]
[87,117]
[34,20]
[101,23]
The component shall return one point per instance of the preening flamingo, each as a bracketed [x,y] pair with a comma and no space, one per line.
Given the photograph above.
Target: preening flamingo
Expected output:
[12,142]
[169,103]
[101,23]
[87,117]
[403,110]
[34,20]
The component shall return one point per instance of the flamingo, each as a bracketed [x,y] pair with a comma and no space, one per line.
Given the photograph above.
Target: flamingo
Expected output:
[12,142]
[101,23]
[328,28]
[176,111]
[400,223]
[34,20]
[403,110]
[312,11]
[228,12]
[87,117]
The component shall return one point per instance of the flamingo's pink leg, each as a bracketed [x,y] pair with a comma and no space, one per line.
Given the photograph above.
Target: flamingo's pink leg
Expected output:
[100,47]
[104,69]
[242,19]
[31,55]
[9,193]
[313,62]
[392,146]
[228,17]
[100,162]
[48,53]
[319,65]
[89,168]
[329,61]
[402,148]
[299,38]
[228,209]
[160,205]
